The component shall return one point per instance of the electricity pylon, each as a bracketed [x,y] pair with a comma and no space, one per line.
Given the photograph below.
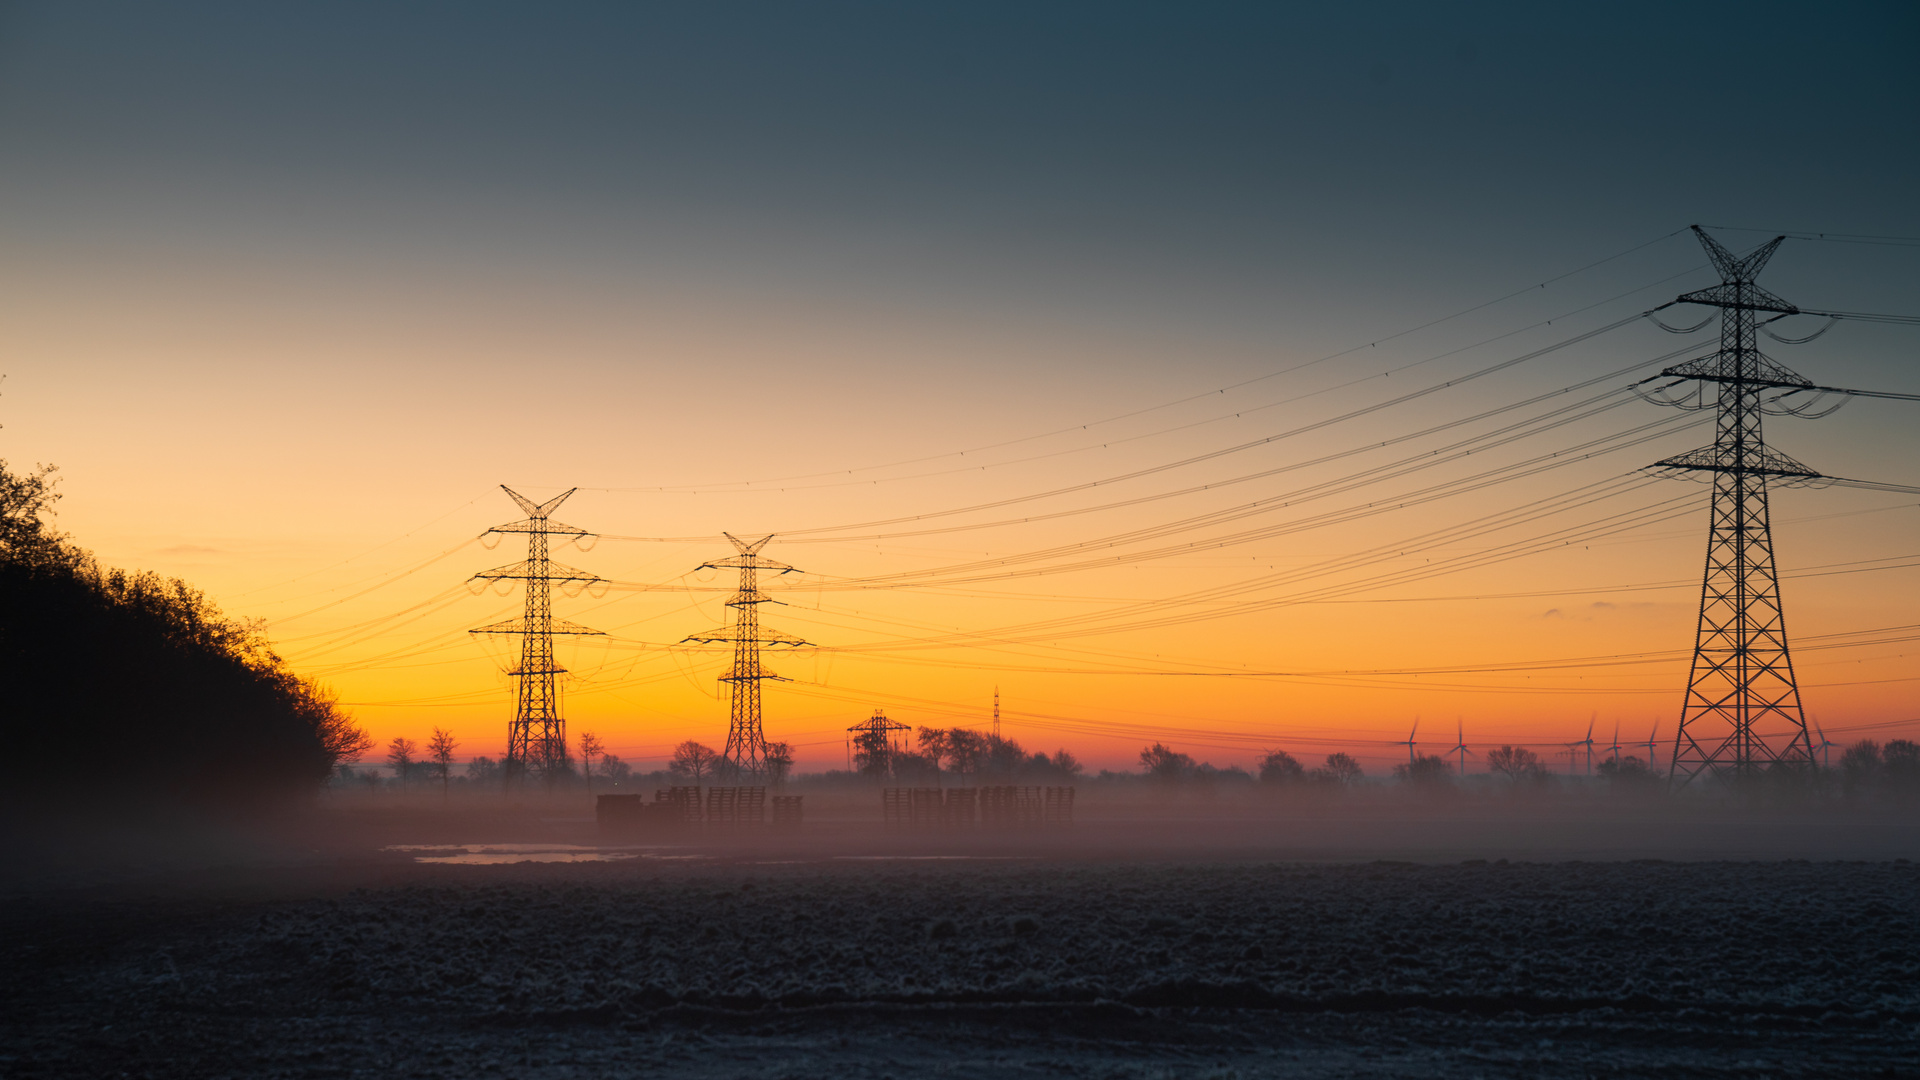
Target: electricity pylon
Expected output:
[875,739]
[537,735]
[1742,708]
[746,752]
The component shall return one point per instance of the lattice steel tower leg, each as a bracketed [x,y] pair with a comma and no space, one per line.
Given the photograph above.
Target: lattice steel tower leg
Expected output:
[1742,709]
[537,734]
[746,753]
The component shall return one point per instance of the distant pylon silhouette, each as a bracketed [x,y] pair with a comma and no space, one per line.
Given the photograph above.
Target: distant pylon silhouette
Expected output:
[746,752]
[876,739]
[537,734]
[1742,708]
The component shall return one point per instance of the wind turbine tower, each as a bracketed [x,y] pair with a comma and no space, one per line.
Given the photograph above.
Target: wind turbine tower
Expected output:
[1460,744]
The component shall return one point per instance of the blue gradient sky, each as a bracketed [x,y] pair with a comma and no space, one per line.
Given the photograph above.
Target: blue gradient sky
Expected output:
[282,282]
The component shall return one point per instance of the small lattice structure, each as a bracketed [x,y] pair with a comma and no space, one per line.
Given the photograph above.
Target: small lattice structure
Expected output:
[634,816]
[736,807]
[620,813]
[957,811]
[926,808]
[1013,807]
[894,807]
[964,808]
[681,804]
[912,808]
[786,811]
[720,806]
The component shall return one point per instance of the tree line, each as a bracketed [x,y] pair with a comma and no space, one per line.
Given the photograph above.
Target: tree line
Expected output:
[172,700]
[1867,770]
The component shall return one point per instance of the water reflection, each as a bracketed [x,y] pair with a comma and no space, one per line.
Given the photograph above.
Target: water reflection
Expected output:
[498,854]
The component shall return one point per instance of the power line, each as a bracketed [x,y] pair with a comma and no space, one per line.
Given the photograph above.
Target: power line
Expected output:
[1219,390]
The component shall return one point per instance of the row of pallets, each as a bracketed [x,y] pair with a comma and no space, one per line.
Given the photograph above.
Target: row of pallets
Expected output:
[679,809]
[1006,807]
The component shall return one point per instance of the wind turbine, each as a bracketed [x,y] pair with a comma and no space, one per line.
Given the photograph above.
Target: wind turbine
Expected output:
[1409,739]
[1824,746]
[1460,743]
[1652,736]
[1613,750]
[1573,748]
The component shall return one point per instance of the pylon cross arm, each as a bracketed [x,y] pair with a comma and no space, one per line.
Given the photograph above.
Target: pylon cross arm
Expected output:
[1744,295]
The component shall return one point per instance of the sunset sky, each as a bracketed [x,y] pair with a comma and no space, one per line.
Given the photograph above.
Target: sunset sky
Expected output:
[1063,348]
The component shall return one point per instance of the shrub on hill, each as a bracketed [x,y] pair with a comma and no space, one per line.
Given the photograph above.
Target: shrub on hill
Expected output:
[126,687]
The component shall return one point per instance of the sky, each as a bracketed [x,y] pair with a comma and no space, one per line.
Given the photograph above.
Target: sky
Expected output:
[1103,309]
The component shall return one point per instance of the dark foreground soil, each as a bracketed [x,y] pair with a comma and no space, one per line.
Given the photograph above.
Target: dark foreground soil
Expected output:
[964,969]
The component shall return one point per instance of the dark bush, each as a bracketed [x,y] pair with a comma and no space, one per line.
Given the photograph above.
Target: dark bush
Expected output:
[127,687]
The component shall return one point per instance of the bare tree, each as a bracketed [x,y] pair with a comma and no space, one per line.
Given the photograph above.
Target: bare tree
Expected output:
[692,760]
[590,751]
[1859,767]
[779,759]
[934,745]
[1425,770]
[1340,769]
[1516,763]
[967,750]
[1280,767]
[1900,766]
[1164,763]
[26,501]
[400,756]
[440,749]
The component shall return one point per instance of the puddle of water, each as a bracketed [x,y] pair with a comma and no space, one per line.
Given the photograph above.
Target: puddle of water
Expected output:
[496,858]
[499,854]
[476,849]
[932,858]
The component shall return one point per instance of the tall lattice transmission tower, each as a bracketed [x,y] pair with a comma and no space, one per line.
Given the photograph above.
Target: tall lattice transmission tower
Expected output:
[746,752]
[537,734]
[1742,709]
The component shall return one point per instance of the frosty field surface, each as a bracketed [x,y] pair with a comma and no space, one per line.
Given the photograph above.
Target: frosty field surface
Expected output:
[984,969]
